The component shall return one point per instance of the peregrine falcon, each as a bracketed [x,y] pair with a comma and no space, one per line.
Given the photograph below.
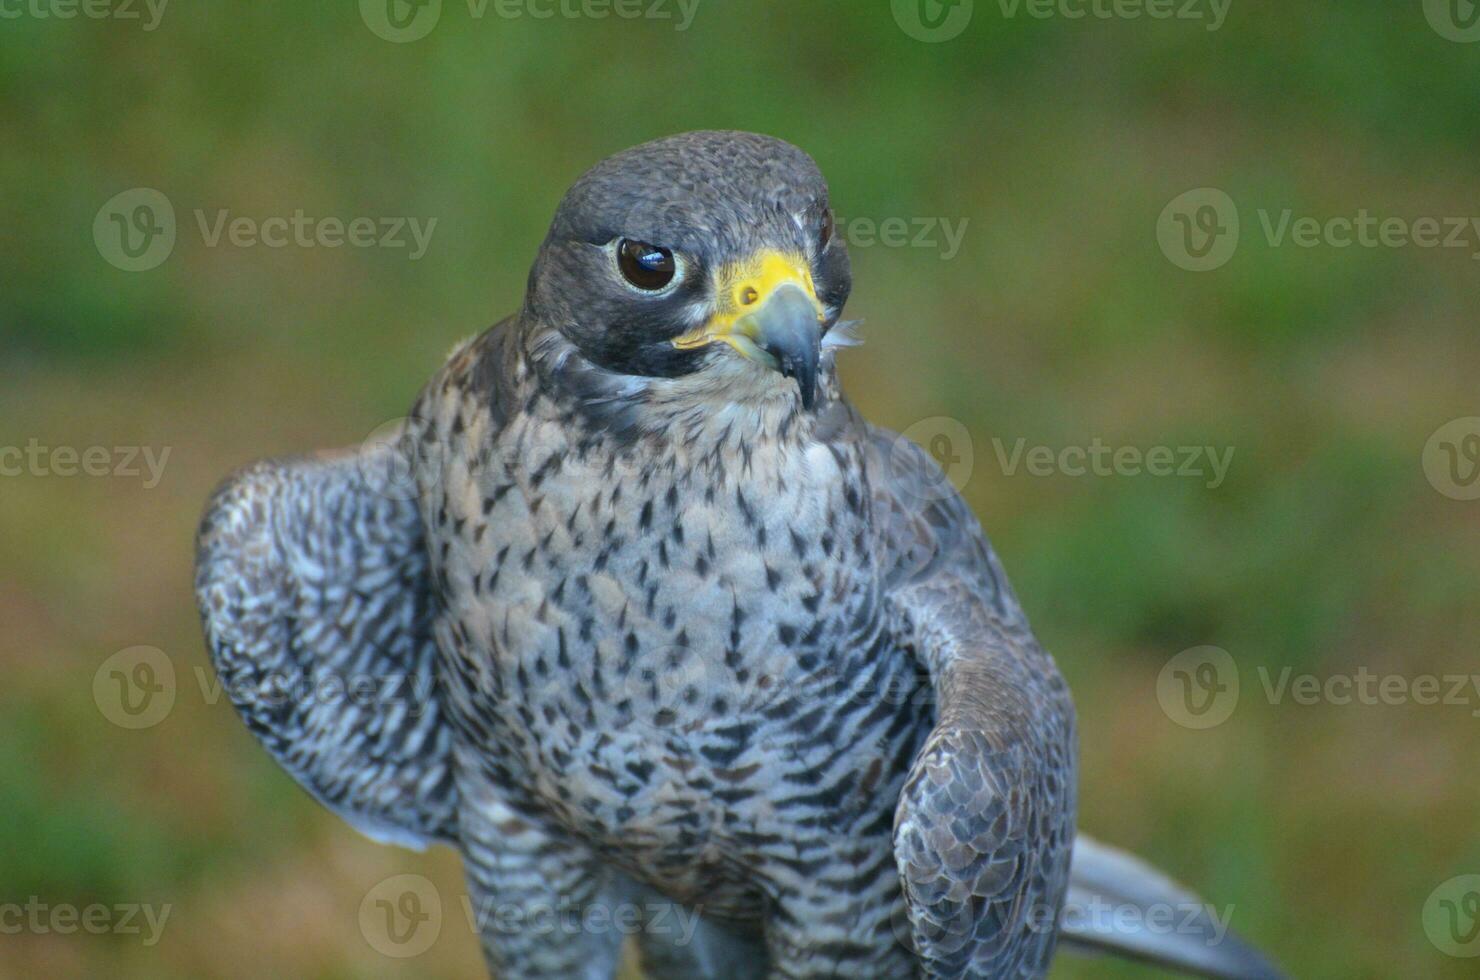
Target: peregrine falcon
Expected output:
[669,623]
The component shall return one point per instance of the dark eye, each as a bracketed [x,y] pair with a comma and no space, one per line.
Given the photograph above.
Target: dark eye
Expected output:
[645,266]
[824,237]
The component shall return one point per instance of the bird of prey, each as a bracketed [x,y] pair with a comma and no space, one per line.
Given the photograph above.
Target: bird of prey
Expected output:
[673,625]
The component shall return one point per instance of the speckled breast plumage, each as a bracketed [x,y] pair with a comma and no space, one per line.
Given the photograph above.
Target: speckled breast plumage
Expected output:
[657,650]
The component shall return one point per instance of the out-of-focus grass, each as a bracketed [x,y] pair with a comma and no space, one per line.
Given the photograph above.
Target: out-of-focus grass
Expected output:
[1059,322]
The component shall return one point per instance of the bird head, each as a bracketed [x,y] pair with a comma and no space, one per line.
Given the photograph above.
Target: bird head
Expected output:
[707,259]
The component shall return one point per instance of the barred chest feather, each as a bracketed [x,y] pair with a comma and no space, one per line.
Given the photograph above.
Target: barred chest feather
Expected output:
[676,652]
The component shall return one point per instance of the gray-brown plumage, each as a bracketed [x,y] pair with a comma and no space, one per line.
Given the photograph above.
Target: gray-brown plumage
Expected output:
[698,633]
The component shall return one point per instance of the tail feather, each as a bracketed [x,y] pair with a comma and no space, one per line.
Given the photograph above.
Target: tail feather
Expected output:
[1119,904]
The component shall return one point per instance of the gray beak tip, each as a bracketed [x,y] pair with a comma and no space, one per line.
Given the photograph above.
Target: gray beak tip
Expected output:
[793,336]
[805,374]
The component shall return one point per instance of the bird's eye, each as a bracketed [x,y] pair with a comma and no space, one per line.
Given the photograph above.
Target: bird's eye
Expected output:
[645,266]
[825,236]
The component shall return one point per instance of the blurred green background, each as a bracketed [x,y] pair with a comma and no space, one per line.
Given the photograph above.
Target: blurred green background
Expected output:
[1058,142]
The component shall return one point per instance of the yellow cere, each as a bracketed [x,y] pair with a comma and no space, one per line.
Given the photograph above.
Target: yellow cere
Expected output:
[744,288]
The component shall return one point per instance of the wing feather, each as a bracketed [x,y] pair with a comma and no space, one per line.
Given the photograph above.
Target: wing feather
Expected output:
[313,587]
[985,826]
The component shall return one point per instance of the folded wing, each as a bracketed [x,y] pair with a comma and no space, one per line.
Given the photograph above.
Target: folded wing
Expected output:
[313,586]
[984,828]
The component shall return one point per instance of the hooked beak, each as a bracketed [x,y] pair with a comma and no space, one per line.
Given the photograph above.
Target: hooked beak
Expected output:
[769,312]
